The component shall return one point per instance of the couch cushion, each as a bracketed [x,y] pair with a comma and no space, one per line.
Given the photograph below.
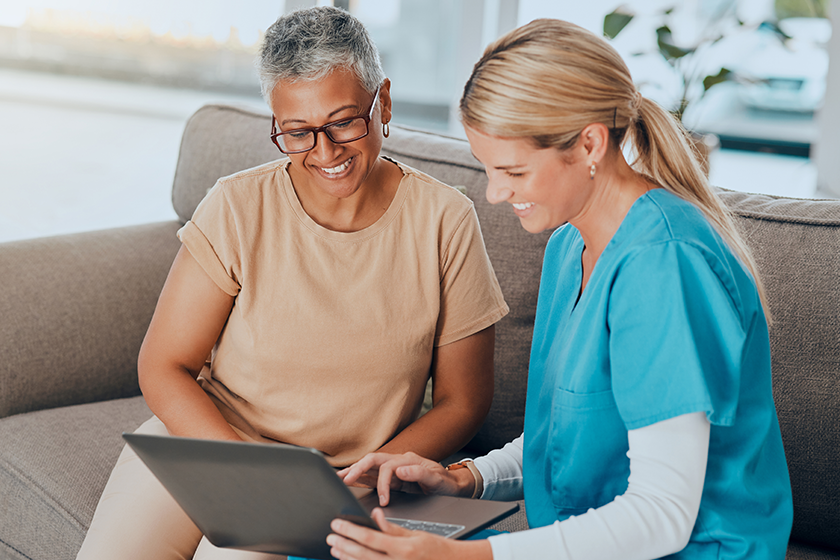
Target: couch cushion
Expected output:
[797,551]
[220,140]
[53,467]
[796,244]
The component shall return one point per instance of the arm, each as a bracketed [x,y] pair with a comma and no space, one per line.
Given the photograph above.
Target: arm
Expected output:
[653,518]
[462,380]
[501,470]
[188,319]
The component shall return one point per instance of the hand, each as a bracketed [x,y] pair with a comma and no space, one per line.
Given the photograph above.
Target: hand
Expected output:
[406,472]
[352,542]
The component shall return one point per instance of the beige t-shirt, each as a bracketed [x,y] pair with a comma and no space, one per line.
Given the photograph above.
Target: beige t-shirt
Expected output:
[330,339]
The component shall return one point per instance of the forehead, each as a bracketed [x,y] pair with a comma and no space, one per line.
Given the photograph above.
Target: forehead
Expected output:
[316,102]
[500,151]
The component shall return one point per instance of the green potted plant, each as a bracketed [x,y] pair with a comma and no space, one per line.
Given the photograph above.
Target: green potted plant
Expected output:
[687,59]
[711,32]
[696,80]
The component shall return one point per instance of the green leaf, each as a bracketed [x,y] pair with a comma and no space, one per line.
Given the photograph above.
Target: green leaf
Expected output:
[616,21]
[666,44]
[775,29]
[720,77]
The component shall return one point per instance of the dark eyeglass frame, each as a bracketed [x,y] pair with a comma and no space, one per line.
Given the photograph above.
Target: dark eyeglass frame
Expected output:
[325,129]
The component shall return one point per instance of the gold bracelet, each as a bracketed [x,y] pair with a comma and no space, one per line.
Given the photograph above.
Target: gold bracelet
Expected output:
[479,481]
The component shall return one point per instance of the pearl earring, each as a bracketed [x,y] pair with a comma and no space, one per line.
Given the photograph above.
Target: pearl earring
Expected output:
[592,171]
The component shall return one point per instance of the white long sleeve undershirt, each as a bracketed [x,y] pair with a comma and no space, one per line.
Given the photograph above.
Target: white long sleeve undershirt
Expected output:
[653,518]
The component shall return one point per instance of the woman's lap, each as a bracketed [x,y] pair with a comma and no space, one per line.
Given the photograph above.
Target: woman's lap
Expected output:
[137,518]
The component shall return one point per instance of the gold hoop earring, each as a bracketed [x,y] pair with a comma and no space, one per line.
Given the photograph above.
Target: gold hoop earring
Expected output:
[592,172]
[386,130]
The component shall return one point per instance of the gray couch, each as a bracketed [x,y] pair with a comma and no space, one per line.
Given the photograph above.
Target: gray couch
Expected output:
[74,309]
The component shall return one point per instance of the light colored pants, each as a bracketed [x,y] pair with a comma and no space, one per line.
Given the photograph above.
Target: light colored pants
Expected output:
[137,519]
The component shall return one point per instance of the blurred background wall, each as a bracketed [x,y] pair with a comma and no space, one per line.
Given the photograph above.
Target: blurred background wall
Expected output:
[94,94]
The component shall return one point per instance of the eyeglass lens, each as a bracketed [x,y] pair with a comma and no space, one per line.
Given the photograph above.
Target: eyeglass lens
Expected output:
[340,132]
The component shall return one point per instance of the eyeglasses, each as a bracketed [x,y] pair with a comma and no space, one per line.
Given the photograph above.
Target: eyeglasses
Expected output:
[302,140]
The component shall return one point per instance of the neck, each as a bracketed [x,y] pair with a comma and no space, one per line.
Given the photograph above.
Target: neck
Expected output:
[616,187]
[357,211]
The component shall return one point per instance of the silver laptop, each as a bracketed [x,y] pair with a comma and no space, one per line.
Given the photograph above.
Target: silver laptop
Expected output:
[281,498]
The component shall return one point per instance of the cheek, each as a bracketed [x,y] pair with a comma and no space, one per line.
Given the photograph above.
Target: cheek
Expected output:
[369,146]
[298,160]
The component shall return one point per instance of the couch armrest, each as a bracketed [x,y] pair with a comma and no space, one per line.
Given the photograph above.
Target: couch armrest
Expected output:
[73,313]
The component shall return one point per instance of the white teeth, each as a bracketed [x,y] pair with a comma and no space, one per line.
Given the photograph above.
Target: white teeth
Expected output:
[522,205]
[339,169]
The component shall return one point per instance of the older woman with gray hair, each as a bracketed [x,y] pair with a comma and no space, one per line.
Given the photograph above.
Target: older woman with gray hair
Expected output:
[313,296]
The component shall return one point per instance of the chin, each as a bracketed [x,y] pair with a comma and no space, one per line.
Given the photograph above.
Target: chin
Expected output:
[532,227]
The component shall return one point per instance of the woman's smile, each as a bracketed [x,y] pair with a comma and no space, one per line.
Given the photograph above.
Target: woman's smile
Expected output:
[338,171]
[522,209]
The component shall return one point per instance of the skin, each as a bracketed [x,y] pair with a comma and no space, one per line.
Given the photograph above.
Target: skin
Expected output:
[192,309]
[546,188]
[357,197]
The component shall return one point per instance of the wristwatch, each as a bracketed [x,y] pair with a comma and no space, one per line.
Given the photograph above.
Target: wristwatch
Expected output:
[479,480]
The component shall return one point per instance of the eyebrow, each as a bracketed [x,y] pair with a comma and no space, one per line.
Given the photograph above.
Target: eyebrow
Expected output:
[501,167]
[301,121]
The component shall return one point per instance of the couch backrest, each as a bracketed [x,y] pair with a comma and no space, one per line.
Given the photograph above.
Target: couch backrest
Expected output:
[796,245]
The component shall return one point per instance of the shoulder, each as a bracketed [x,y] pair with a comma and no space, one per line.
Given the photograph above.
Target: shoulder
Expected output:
[248,182]
[564,246]
[235,201]
[662,219]
[671,238]
[240,190]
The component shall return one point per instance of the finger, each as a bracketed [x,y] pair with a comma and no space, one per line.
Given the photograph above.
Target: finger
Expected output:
[367,538]
[421,474]
[369,462]
[364,481]
[383,484]
[386,526]
[347,549]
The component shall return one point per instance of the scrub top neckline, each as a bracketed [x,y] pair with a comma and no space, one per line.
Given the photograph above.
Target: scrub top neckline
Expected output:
[613,243]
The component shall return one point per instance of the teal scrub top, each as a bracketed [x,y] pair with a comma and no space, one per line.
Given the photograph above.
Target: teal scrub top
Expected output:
[670,323]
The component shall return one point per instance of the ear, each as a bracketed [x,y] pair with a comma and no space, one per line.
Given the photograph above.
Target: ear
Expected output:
[595,141]
[385,100]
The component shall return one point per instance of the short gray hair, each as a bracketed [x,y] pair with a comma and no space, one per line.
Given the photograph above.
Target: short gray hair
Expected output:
[309,44]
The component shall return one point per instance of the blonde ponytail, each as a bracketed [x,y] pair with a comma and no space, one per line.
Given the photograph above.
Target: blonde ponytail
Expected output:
[549,79]
[666,155]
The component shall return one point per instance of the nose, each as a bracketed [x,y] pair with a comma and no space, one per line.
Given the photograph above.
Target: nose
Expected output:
[497,192]
[325,148]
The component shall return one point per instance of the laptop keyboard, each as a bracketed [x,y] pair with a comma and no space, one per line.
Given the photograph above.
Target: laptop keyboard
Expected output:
[442,529]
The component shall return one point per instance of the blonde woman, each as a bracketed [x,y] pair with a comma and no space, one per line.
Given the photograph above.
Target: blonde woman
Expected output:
[650,428]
